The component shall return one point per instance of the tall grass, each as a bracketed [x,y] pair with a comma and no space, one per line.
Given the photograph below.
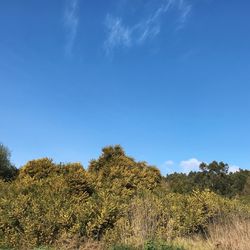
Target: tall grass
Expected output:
[232,234]
[228,234]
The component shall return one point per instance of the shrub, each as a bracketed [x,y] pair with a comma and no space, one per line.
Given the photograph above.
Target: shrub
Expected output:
[121,174]
[36,211]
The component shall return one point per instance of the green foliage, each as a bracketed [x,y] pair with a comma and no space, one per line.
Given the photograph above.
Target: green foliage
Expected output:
[149,245]
[214,167]
[159,245]
[122,247]
[213,176]
[7,170]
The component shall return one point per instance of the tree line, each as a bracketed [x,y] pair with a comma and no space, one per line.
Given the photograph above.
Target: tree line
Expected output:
[214,176]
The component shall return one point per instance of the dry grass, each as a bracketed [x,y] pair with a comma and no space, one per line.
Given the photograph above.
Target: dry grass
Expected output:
[233,234]
[230,235]
[140,224]
[192,243]
[92,245]
[67,242]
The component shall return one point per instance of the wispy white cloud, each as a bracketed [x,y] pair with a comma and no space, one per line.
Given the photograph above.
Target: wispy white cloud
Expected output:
[121,35]
[71,20]
[233,168]
[185,10]
[190,165]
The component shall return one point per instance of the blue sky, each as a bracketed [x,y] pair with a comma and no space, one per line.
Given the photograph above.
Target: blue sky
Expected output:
[169,80]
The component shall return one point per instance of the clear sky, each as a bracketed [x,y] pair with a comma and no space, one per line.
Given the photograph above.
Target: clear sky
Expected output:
[169,80]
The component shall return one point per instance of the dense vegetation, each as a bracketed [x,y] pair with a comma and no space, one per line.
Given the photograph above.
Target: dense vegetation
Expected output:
[117,203]
[213,176]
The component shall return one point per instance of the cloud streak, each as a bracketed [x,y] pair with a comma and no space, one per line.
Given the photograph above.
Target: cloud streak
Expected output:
[118,33]
[71,20]
[121,35]
[185,10]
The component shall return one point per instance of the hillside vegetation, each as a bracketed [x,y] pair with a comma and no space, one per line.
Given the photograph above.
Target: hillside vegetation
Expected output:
[119,203]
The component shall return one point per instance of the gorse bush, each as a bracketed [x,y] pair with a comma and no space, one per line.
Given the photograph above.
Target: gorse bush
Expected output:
[36,213]
[117,200]
[116,171]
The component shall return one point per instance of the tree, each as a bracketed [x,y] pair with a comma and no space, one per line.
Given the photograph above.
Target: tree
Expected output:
[213,176]
[180,183]
[7,170]
[214,167]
